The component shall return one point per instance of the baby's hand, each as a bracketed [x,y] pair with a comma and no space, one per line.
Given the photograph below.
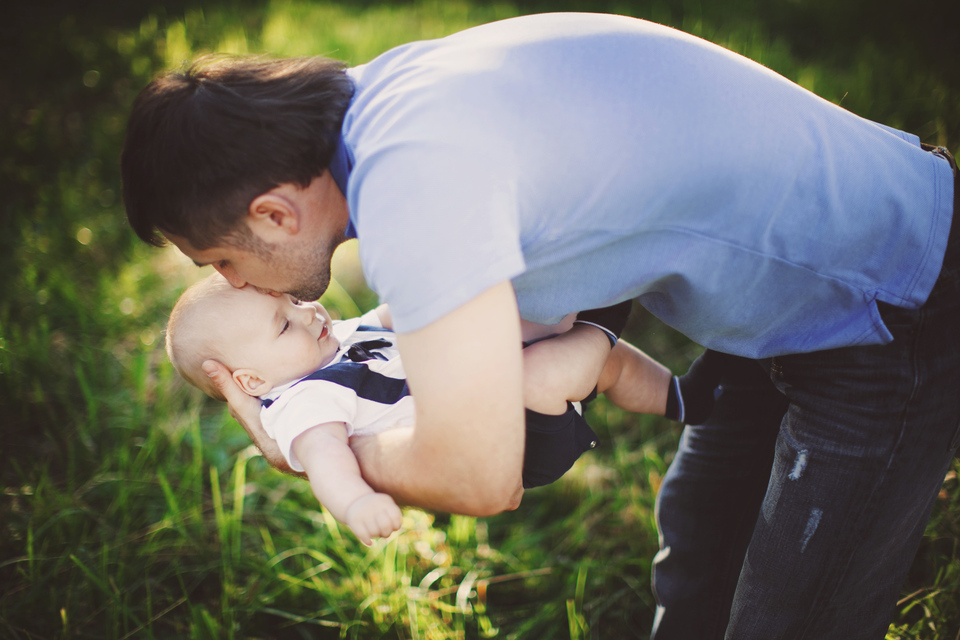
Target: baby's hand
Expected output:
[373,515]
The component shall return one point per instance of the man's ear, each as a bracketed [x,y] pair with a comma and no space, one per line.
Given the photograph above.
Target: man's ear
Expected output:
[275,212]
[251,382]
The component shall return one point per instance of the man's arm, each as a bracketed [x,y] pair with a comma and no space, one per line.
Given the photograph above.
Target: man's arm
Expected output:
[383,312]
[465,453]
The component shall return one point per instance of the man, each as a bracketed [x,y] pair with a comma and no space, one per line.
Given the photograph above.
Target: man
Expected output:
[546,164]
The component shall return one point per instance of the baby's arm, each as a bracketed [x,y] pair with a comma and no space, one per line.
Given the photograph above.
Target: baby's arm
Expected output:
[336,482]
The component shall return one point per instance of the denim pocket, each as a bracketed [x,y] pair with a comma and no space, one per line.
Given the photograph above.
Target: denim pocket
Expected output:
[897,319]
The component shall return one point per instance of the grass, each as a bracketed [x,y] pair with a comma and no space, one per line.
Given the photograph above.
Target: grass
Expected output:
[133,508]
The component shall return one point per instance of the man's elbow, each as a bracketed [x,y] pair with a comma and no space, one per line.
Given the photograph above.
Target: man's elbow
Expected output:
[491,498]
[515,500]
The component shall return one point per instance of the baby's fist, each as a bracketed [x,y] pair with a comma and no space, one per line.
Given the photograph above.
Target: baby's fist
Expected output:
[373,515]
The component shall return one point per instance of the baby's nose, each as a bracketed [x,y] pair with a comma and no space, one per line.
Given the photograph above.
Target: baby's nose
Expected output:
[308,314]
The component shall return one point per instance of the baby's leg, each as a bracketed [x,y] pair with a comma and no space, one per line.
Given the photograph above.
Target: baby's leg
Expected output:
[564,368]
[634,381]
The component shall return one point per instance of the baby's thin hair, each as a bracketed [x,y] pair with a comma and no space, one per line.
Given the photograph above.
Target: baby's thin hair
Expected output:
[192,334]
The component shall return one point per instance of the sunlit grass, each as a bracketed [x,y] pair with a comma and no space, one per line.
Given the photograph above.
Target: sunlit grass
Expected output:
[339,30]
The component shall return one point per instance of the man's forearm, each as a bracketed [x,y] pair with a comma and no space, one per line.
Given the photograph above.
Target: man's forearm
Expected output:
[391,464]
[465,453]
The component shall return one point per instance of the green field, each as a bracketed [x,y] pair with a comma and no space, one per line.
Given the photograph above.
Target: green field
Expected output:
[134,508]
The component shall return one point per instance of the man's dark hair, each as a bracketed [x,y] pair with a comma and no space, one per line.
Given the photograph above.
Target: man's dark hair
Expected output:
[202,143]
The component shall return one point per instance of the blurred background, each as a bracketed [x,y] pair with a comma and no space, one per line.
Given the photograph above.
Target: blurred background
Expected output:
[132,507]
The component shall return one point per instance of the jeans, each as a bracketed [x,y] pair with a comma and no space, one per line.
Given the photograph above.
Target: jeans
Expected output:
[795,511]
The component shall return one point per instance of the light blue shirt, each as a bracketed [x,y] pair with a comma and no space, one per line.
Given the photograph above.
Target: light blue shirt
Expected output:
[595,158]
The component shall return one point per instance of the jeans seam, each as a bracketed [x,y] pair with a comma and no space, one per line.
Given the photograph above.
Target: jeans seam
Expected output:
[955,441]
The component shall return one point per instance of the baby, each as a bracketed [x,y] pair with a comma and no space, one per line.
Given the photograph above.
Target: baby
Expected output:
[321,382]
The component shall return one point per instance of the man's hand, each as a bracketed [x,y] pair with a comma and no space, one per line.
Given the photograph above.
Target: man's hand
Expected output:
[373,515]
[245,409]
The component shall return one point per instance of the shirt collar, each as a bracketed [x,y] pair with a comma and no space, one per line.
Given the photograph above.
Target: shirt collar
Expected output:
[341,164]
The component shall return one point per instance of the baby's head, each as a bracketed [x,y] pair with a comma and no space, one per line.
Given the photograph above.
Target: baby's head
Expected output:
[264,340]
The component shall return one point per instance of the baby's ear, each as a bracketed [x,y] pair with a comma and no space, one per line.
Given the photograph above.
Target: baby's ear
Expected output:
[251,382]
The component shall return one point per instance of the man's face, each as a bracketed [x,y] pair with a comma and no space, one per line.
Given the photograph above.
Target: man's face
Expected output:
[297,267]
[279,337]
[276,261]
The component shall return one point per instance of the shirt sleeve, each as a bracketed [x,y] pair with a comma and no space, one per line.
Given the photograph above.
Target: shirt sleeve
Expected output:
[437,215]
[304,406]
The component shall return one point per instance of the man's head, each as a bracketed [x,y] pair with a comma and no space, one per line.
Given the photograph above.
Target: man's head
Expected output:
[284,244]
[202,143]
[264,340]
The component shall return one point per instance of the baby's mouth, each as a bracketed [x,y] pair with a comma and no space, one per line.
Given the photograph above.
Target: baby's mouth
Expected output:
[324,332]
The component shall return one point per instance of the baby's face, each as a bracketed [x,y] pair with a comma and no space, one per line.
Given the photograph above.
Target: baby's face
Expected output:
[279,337]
